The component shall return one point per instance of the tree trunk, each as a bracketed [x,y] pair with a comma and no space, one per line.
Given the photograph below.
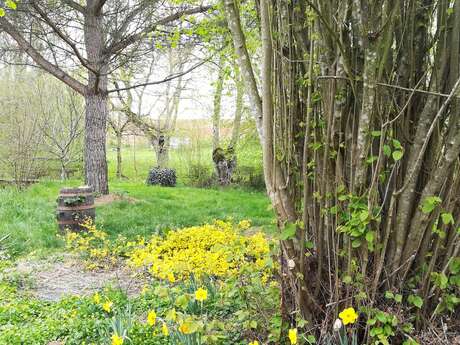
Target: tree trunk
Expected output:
[238,108]
[119,158]
[225,164]
[217,105]
[239,42]
[95,139]
[96,100]
[161,148]
[64,174]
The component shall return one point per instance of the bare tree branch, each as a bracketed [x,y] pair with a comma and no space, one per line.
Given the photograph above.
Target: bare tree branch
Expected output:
[39,59]
[171,77]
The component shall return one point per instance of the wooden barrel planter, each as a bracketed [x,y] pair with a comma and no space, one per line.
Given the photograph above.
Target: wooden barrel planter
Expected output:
[75,205]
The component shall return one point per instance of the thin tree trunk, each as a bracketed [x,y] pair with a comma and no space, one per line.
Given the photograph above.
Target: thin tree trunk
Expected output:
[119,157]
[238,108]
[239,42]
[218,105]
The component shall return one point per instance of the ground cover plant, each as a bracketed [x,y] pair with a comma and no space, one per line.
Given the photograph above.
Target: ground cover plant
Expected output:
[207,285]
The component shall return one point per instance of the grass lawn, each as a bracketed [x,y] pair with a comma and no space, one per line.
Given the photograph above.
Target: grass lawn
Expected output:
[28,217]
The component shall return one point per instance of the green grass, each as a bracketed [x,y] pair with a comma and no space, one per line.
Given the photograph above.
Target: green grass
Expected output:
[28,217]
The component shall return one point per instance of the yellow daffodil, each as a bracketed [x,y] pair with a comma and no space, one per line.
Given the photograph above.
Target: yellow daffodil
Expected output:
[164,329]
[201,295]
[293,335]
[184,328]
[255,342]
[152,318]
[348,316]
[107,306]
[117,340]
[96,298]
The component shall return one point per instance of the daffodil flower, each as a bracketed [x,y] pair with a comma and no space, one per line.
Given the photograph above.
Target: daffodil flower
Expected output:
[107,306]
[151,318]
[201,295]
[164,329]
[117,340]
[348,316]
[293,335]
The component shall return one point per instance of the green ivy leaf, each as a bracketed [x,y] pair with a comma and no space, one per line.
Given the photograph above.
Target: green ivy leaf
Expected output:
[387,150]
[311,339]
[430,203]
[356,243]
[288,232]
[397,155]
[10,4]
[447,218]
[396,144]
[440,280]
[415,300]
[2,12]
[347,279]
[389,295]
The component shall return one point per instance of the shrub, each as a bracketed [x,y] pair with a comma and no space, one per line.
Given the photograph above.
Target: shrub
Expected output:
[248,176]
[162,176]
[200,175]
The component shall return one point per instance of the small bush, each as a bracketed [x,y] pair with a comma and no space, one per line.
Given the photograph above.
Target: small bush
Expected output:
[248,176]
[200,175]
[162,176]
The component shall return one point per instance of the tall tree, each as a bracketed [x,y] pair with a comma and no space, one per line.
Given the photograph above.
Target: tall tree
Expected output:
[82,45]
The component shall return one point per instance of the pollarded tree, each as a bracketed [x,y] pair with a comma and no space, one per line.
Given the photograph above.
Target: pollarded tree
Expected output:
[82,44]
[361,136]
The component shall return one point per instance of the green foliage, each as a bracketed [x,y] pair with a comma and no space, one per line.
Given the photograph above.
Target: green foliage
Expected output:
[236,309]
[355,221]
[382,326]
[430,203]
[200,175]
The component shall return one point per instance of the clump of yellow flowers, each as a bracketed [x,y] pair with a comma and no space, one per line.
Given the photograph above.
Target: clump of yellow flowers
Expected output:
[95,246]
[217,249]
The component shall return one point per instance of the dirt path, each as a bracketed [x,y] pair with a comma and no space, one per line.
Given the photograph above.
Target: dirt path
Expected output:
[64,275]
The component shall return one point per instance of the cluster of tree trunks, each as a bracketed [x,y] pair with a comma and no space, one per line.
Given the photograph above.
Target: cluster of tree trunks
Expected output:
[358,116]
